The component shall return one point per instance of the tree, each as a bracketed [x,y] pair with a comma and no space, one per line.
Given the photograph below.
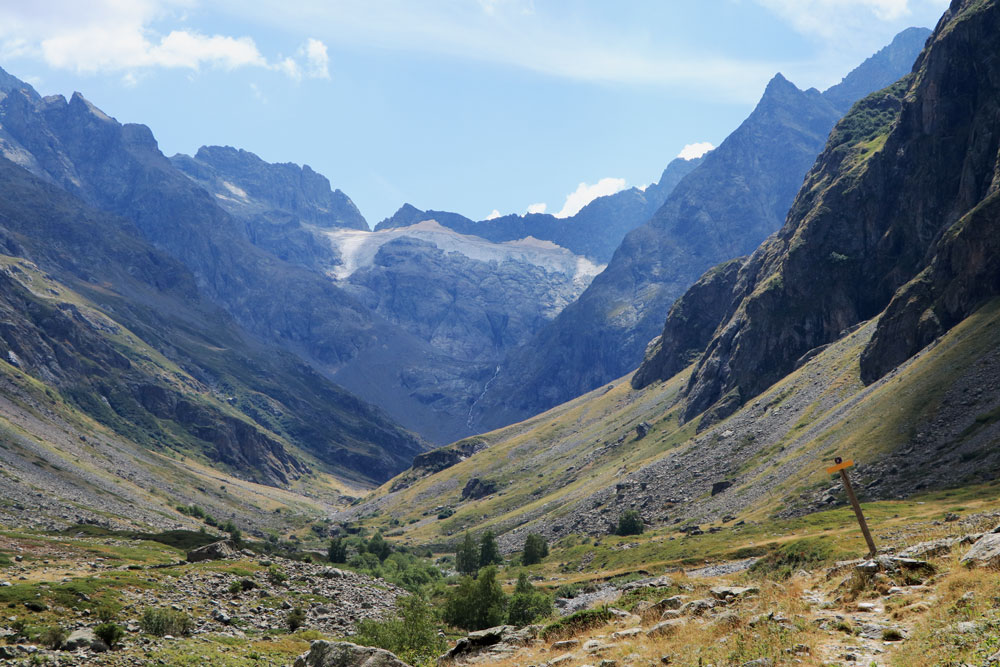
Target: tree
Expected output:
[337,552]
[477,604]
[489,552]
[527,604]
[535,549]
[467,556]
[629,523]
[379,547]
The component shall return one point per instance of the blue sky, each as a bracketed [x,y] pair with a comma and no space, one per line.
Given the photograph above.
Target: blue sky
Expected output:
[472,106]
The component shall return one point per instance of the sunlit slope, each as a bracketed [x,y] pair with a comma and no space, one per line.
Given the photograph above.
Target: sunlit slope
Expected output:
[930,424]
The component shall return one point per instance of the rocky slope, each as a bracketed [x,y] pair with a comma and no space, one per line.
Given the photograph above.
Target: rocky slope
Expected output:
[899,209]
[723,209]
[122,333]
[594,232]
[470,298]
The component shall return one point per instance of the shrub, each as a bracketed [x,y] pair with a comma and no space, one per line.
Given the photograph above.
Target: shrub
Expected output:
[296,619]
[477,604]
[276,575]
[107,613]
[629,523]
[52,637]
[161,622]
[378,547]
[109,633]
[535,549]
[412,635]
[527,604]
[337,553]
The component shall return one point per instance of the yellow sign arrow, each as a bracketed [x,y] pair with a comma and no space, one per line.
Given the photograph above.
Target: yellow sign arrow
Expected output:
[839,467]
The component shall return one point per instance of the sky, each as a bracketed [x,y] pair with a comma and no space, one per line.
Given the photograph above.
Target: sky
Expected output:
[482,107]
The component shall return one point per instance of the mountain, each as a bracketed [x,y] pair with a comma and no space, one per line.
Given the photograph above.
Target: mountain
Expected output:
[865,328]
[897,215]
[120,332]
[103,165]
[594,232]
[724,208]
[283,206]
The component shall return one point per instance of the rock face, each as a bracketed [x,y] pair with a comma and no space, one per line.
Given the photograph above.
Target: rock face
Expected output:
[164,304]
[214,551]
[594,232]
[984,553]
[345,654]
[690,324]
[723,209]
[477,488]
[898,211]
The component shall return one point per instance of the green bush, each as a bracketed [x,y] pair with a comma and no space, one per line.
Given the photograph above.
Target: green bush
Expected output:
[160,621]
[52,637]
[107,613]
[276,575]
[535,549]
[527,604]
[337,553]
[296,619]
[477,604]
[412,635]
[109,633]
[629,523]
[378,547]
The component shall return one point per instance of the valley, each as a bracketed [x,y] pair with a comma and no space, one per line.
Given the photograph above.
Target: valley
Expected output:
[241,426]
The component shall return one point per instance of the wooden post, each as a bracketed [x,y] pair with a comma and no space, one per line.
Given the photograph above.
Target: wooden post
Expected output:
[842,467]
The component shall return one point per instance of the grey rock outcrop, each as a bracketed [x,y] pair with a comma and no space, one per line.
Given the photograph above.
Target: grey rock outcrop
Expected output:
[345,654]
[984,553]
[215,551]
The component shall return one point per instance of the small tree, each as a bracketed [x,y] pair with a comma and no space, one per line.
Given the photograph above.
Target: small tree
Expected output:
[535,549]
[296,619]
[338,551]
[489,552]
[412,635]
[467,556]
[109,633]
[527,604]
[629,523]
[379,547]
[477,604]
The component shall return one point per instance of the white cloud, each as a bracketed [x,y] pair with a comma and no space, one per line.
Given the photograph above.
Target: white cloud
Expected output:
[515,33]
[118,36]
[496,214]
[584,194]
[537,208]
[696,150]
[317,60]
[831,18]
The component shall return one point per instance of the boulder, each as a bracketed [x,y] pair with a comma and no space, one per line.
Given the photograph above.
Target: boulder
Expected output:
[493,639]
[345,654]
[984,553]
[77,639]
[214,551]
[719,487]
[477,488]
[725,593]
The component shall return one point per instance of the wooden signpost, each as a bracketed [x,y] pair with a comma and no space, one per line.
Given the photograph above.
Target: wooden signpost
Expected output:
[841,467]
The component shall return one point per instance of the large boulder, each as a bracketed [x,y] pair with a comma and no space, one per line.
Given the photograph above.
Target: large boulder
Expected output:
[500,640]
[82,638]
[345,654]
[214,551]
[477,488]
[985,552]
